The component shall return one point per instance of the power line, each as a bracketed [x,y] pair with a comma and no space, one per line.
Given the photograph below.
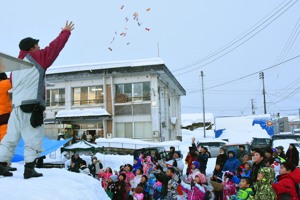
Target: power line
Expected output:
[228,46]
[249,74]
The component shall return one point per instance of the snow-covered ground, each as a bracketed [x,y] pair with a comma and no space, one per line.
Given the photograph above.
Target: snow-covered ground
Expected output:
[61,184]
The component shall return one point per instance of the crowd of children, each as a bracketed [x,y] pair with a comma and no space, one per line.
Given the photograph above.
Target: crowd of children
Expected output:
[267,176]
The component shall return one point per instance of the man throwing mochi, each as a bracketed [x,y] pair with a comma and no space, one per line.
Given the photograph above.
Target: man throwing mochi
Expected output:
[26,119]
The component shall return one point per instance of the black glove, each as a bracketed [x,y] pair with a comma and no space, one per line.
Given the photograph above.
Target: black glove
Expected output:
[174,163]
[37,116]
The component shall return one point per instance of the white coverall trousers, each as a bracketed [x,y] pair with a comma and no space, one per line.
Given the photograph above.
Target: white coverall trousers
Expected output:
[19,126]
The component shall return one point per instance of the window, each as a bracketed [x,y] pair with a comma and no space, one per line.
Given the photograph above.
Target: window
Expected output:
[142,130]
[56,97]
[132,92]
[87,95]
[124,130]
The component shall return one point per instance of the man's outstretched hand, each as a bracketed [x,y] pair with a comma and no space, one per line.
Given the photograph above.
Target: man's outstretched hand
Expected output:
[69,26]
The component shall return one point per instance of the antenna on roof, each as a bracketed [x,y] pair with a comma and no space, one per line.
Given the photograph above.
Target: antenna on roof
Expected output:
[158,49]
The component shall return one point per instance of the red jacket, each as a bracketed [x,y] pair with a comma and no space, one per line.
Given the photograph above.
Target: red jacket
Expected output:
[45,57]
[285,185]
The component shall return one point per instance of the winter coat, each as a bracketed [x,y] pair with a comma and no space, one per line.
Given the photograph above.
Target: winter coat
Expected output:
[110,190]
[255,168]
[292,156]
[95,168]
[42,59]
[5,102]
[172,190]
[139,196]
[151,182]
[202,158]
[145,187]
[285,185]
[148,166]
[231,164]
[229,188]
[263,189]
[221,159]
[129,176]
[177,164]
[157,190]
[219,175]
[243,194]
[197,192]
[193,174]
[135,181]
[104,176]
[164,180]
[188,160]
[120,191]
[281,156]
[137,165]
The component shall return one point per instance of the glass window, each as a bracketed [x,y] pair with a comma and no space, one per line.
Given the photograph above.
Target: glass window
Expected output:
[133,91]
[48,98]
[84,96]
[137,91]
[76,96]
[123,110]
[124,130]
[56,97]
[87,95]
[142,109]
[146,91]
[142,130]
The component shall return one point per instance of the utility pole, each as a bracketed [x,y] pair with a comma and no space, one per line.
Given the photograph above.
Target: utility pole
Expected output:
[262,76]
[204,131]
[252,106]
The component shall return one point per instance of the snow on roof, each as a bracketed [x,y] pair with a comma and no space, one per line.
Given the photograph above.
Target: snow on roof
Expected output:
[192,118]
[104,65]
[82,112]
[82,145]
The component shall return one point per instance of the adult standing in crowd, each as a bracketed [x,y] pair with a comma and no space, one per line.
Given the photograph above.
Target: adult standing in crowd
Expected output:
[5,103]
[292,155]
[202,157]
[170,154]
[26,119]
[222,157]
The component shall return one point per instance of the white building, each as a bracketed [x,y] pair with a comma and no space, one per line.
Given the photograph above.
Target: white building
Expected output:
[132,99]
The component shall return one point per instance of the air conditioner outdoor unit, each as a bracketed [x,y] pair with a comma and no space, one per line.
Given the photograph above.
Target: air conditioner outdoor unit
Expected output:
[108,135]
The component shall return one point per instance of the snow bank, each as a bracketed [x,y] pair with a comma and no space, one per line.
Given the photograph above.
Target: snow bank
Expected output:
[55,184]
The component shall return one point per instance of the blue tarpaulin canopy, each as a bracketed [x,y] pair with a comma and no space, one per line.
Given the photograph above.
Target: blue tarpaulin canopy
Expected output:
[48,146]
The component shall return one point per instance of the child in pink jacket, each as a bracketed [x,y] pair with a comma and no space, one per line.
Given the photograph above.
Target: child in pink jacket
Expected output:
[196,192]
[229,186]
[104,175]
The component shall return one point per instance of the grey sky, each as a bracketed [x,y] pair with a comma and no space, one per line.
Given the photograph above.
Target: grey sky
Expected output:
[186,32]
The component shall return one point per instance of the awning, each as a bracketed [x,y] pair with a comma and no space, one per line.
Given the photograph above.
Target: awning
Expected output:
[87,114]
[82,145]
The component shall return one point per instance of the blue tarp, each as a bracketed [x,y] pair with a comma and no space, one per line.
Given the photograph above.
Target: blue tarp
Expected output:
[48,146]
[219,132]
[265,123]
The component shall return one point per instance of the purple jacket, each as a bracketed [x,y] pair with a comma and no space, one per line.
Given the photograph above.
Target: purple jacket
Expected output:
[196,193]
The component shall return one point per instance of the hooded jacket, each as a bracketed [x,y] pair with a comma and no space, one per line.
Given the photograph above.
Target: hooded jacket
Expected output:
[232,163]
[137,165]
[197,192]
[263,188]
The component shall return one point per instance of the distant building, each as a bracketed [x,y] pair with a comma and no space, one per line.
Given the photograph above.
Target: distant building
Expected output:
[133,99]
[192,121]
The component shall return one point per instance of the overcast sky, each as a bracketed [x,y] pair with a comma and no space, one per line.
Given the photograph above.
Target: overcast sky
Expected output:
[261,34]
